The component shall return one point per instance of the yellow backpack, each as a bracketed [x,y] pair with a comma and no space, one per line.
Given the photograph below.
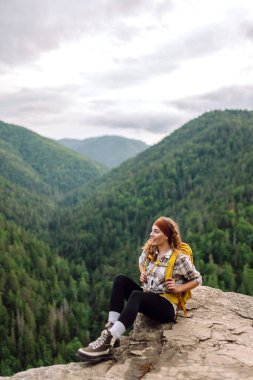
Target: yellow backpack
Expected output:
[178,299]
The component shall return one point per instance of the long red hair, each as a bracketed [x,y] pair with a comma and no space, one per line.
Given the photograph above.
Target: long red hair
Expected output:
[171,229]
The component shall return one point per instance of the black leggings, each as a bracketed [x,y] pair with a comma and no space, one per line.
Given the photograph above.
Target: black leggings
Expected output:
[152,305]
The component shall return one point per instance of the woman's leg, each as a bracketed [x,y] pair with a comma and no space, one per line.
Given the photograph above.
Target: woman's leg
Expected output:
[150,304]
[122,288]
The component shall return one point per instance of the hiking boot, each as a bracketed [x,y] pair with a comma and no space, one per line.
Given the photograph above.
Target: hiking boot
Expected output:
[108,325]
[101,348]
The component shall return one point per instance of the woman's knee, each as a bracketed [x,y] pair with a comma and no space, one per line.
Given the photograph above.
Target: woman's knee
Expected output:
[136,296]
[120,279]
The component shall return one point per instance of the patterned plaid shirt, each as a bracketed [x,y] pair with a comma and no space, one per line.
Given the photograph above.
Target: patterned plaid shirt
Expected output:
[183,271]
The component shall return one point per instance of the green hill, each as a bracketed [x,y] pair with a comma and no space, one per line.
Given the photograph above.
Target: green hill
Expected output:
[110,151]
[40,164]
[42,310]
[201,176]
[34,173]
[41,294]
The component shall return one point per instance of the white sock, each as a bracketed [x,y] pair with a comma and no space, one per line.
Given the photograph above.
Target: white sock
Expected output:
[117,329]
[113,316]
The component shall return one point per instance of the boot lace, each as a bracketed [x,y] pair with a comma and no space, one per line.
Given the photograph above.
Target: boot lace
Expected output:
[100,340]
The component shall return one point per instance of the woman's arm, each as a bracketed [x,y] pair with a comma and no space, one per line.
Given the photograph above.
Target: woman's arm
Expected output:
[180,288]
[186,269]
[143,276]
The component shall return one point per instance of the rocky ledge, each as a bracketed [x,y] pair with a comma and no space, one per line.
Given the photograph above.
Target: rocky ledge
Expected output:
[214,342]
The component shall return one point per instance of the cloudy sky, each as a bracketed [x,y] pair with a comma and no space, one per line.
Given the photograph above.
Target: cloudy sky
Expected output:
[135,68]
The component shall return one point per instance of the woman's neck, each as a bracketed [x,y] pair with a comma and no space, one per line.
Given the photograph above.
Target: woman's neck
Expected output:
[163,249]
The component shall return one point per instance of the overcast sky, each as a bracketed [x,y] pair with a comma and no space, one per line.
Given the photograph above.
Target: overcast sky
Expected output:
[135,68]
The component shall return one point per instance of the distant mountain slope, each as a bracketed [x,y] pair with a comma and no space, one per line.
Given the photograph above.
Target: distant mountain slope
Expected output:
[110,151]
[201,175]
[42,295]
[40,164]
[34,173]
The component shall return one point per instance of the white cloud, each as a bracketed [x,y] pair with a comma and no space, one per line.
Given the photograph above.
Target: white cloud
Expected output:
[233,97]
[133,67]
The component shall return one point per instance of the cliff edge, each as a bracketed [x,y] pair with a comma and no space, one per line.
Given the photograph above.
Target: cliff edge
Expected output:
[214,342]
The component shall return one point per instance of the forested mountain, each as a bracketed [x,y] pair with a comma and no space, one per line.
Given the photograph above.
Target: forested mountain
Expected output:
[41,315]
[59,250]
[201,176]
[41,165]
[110,151]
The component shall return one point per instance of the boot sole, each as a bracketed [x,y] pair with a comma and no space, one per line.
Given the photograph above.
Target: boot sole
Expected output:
[97,359]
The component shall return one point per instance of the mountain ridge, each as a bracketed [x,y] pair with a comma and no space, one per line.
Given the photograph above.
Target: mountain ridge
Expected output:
[54,164]
[109,150]
[40,292]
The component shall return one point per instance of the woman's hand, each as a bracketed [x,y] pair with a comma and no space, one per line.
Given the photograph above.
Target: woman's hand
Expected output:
[143,277]
[172,286]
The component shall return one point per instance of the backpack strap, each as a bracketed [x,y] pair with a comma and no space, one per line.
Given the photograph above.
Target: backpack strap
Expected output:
[149,257]
[170,265]
[157,263]
[179,299]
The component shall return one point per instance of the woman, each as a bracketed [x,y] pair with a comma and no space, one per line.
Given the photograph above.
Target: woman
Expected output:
[153,299]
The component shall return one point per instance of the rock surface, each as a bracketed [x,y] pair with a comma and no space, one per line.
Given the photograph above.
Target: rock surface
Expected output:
[214,342]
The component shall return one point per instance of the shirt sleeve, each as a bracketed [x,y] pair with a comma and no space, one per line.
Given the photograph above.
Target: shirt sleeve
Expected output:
[187,269]
[142,258]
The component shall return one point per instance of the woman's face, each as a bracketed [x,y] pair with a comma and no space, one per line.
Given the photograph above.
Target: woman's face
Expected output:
[157,236]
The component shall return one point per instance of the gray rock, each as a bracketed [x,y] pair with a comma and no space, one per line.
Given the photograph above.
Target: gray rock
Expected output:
[214,342]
